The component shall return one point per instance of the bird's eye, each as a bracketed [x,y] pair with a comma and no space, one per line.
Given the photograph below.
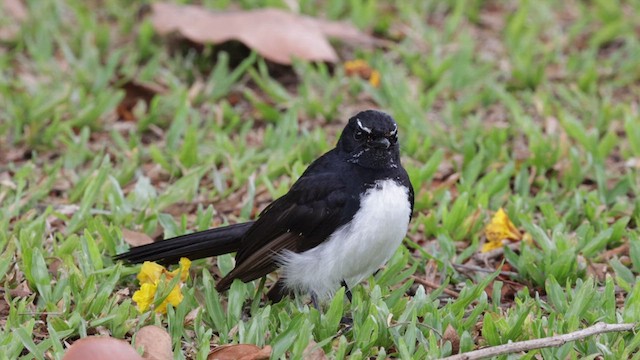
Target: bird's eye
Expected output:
[393,139]
[358,135]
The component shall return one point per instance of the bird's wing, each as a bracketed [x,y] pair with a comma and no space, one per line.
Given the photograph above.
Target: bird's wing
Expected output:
[316,205]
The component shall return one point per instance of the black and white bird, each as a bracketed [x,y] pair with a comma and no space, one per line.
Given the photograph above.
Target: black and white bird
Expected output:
[339,223]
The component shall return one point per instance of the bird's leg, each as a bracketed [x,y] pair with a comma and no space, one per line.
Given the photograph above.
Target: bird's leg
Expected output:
[347,291]
[314,301]
[277,292]
[347,320]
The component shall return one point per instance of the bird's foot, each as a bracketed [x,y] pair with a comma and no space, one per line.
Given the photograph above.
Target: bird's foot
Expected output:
[347,291]
[345,320]
[314,301]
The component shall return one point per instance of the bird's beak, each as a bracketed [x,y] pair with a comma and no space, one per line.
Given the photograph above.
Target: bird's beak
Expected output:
[380,143]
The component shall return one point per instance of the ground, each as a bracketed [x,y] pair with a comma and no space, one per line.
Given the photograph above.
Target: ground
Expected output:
[111,133]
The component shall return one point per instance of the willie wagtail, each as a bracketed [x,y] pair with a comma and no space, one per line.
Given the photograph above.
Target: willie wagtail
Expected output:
[340,221]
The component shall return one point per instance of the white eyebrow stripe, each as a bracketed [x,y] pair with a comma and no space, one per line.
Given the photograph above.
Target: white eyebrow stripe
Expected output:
[395,129]
[365,129]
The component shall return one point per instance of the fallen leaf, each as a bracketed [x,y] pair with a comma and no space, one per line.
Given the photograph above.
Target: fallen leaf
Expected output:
[14,153]
[135,92]
[508,291]
[122,294]
[621,250]
[135,238]
[275,34]
[55,266]
[15,9]
[633,163]
[313,352]
[346,32]
[101,348]
[21,290]
[192,315]
[16,12]
[451,335]
[240,352]
[4,309]
[263,354]
[6,181]
[67,209]
[156,343]
[99,330]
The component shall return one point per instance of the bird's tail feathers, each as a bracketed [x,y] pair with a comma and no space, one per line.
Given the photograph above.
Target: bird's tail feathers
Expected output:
[198,245]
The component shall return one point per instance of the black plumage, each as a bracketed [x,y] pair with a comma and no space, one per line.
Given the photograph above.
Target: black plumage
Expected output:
[325,198]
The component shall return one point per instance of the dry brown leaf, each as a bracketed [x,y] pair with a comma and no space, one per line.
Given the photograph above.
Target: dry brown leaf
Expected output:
[263,354]
[15,9]
[22,290]
[345,32]
[17,13]
[313,352]
[134,92]
[508,291]
[156,342]
[67,209]
[101,348]
[240,352]
[99,330]
[122,295]
[6,181]
[275,34]
[621,250]
[598,271]
[4,310]
[135,238]
[451,335]
[55,265]
[14,153]
[192,315]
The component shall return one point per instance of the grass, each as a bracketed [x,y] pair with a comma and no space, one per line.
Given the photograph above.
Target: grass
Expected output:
[530,106]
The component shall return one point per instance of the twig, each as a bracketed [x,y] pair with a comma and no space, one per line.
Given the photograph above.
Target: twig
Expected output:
[433,285]
[607,255]
[402,323]
[510,274]
[496,253]
[552,341]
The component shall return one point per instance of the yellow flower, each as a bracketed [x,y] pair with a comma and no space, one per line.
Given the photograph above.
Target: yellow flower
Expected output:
[500,228]
[355,66]
[150,273]
[144,297]
[374,80]
[150,277]
[175,297]
[362,69]
[185,264]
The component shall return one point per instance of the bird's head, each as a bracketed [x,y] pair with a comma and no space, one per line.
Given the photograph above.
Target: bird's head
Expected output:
[370,140]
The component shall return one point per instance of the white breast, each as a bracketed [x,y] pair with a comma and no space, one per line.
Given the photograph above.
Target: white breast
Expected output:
[355,250]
